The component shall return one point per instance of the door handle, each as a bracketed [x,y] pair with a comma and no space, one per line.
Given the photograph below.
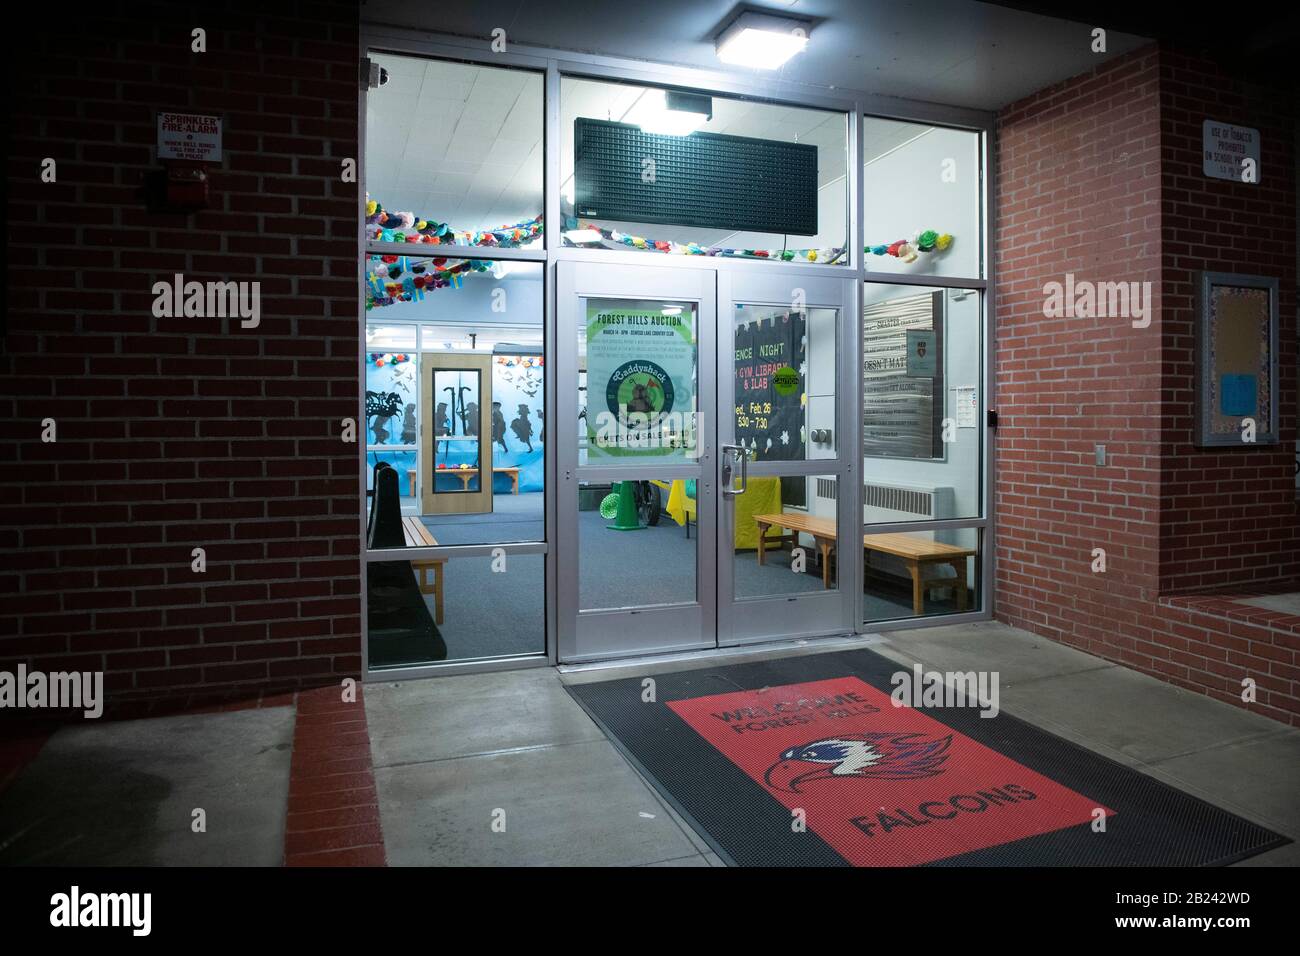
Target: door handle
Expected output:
[728,489]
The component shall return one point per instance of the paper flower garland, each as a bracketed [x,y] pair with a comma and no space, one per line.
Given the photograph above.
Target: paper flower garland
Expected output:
[384,226]
[906,249]
[922,241]
[392,279]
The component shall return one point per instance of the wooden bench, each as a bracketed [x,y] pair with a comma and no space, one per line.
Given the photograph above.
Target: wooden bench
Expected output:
[465,474]
[917,554]
[418,536]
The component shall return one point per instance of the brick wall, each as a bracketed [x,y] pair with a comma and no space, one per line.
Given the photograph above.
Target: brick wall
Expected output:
[177,433]
[1099,176]
[1229,516]
[1079,193]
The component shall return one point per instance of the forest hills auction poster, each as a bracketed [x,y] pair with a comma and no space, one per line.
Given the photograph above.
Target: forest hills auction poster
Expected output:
[640,383]
[769,417]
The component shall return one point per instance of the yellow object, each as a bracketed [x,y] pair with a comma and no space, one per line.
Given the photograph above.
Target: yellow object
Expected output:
[680,506]
[677,501]
[762,496]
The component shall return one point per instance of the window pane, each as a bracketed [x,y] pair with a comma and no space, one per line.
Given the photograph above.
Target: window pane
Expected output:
[785,536]
[921,185]
[449,609]
[920,573]
[464,404]
[454,154]
[922,418]
[661,171]
[632,550]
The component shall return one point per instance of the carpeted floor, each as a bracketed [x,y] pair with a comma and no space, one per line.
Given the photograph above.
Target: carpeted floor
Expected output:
[496,614]
[513,518]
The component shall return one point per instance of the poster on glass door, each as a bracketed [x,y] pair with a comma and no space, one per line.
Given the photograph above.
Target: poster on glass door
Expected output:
[771,354]
[640,383]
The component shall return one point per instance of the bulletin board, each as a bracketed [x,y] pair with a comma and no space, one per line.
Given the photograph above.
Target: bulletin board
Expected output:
[903,394]
[1237,361]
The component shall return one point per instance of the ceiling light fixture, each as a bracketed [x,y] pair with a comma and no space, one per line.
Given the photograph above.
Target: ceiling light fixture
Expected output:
[761,40]
[580,236]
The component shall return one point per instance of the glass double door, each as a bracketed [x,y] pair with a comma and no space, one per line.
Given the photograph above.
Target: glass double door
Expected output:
[704,459]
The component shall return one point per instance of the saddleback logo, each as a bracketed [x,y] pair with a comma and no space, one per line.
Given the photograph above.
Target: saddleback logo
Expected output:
[887,756]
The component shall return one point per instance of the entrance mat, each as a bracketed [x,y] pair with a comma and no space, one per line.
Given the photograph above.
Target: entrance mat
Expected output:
[807,762]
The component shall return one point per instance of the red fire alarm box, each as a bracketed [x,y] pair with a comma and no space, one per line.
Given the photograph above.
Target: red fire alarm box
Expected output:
[187,144]
[187,187]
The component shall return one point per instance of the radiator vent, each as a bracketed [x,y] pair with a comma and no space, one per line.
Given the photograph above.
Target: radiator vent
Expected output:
[899,499]
[826,489]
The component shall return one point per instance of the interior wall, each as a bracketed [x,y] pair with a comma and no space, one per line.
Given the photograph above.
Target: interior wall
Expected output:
[930,180]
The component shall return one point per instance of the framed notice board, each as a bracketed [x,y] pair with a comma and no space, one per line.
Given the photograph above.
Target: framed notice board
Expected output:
[903,378]
[1236,360]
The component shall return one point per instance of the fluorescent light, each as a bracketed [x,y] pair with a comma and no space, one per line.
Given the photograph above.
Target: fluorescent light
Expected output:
[579,236]
[672,115]
[762,41]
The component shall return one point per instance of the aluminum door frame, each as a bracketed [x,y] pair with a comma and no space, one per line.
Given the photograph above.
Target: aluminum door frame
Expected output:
[814,613]
[632,632]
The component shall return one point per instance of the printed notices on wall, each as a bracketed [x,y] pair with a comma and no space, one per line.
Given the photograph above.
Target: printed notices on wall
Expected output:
[192,137]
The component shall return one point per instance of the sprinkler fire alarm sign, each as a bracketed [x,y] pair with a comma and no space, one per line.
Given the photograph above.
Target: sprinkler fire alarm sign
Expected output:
[191,137]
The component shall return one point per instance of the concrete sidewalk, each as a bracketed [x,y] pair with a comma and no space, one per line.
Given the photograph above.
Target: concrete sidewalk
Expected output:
[506,769]
[454,754]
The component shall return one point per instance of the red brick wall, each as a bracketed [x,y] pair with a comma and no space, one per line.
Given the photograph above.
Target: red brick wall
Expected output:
[1229,516]
[1099,176]
[1079,193]
[176,433]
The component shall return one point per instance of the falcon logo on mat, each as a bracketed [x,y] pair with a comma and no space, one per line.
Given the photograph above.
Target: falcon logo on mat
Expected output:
[887,756]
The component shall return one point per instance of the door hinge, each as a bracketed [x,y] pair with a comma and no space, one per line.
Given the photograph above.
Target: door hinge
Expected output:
[993,419]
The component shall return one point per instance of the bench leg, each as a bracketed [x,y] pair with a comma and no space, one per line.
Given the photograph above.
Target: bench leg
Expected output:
[825,547]
[959,585]
[762,542]
[514,481]
[411,479]
[918,588]
[437,592]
